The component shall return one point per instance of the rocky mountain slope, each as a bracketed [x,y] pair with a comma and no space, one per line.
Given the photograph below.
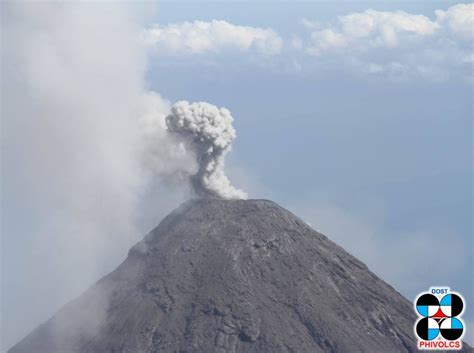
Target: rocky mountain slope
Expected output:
[232,276]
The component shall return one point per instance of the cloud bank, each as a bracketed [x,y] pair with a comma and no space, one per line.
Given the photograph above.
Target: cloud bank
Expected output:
[370,29]
[392,44]
[458,19]
[397,44]
[216,36]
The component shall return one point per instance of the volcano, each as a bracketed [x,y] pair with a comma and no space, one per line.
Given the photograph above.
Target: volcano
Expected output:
[232,276]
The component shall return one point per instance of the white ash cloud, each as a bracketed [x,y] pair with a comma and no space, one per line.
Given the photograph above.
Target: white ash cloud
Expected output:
[208,131]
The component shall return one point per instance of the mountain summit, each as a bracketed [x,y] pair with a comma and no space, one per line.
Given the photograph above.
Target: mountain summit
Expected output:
[232,276]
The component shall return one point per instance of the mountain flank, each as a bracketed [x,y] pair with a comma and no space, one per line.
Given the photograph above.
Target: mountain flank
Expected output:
[232,276]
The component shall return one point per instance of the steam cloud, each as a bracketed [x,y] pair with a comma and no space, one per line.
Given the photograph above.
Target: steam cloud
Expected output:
[208,130]
[87,155]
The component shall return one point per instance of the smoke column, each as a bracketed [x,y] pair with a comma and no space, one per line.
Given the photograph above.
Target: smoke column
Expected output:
[208,130]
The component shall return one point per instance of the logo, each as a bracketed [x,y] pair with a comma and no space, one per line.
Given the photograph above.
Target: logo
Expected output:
[439,325]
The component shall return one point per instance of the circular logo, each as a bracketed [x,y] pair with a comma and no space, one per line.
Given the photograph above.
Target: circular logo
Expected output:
[427,329]
[427,305]
[451,329]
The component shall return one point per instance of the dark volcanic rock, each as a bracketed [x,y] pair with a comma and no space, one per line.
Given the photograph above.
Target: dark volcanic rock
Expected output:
[232,276]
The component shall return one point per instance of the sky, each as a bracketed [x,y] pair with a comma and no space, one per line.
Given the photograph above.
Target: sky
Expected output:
[356,116]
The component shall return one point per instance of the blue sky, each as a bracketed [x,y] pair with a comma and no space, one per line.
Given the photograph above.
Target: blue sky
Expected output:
[367,136]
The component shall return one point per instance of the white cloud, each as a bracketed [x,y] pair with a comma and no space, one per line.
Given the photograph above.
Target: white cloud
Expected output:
[459,19]
[325,40]
[370,29]
[200,37]
[389,43]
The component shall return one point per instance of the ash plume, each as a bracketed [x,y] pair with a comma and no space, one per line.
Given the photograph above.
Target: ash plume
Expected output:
[208,131]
